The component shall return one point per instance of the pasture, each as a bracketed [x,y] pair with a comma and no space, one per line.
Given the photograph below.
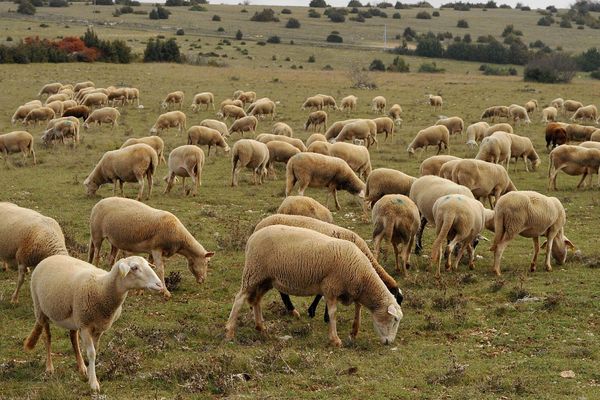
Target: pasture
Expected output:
[467,335]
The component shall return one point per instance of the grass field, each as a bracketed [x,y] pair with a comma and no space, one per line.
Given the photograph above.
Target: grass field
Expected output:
[465,336]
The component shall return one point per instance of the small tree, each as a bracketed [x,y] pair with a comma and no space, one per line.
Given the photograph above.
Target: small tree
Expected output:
[423,15]
[313,14]
[354,3]
[216,18]
[239,35]
[377,65]
[274,39]
[334,38]
[312,59]
[318,4]
[550,68]
[26,8]
[336,16]
[399,65]
[266,15]
[292,23]
[462,23]
[589,60]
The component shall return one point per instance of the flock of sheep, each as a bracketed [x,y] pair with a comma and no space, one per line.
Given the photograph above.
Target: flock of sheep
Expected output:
[450,194]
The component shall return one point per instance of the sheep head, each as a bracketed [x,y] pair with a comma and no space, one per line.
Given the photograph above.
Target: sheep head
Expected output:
[136,273]
[198,265]
[386,322]
[92,187]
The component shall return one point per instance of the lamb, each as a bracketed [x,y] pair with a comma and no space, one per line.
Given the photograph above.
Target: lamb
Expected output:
[171,119]
[572,105]
[57,107]
[328,101]
[205,98]
[348,103]
[250,154]
[425,191]
[395,218]
[437,135]
[279,152]
[531,106]
[459,220]
[476,133]
[518,113]
[245,97]
[315,137]
[185,161]
[106,115]
[202,135]
[394,113]
[317,170]
[153,141]
[316,120]
[245,124]
[484,179]
[217,125]
[82,112]
[305,206]
[314,102]
[586,113]
[173,99]
[573,160]
[26,238]
[338,270]
[383,181]
[433,164]
[522,147]
[530,214]
[268,137]
[495,149]
[454,124]
[319,147]
[82,85]
[262,109]
[62,128]
[365,129]
[23,111]
[130,164]
[558,103]
[85,300]
[95,100]
[435,102]
[556,134]
[229,102]
[17,141]
[503,127]
[134,227]
[231,111]
[283,129]
[385,125]
[357,157]
[378,104]
[50,89]
[39,115]
[495,112]
[549,114]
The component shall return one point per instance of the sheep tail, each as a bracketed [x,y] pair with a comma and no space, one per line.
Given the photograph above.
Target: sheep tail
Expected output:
[33,337]
[499,230]
[443,234]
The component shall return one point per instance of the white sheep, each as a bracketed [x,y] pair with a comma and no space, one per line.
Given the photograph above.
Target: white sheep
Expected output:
[279,152]
[437,135]
[50,88]
[305,206]
[357,157]
[495,148]
[558,103]
[244,124]
[384,181]
[316,120]
[549,114]
[573,160]
[22,111]
[395,112]
[364,129]
[328,101]
[335,128]
[61,128]
[315,137]
[518,114]
[495,112]
[153,141]
[217,125]
[572,105]
[589,112]
[171,119]
[435,102]
[205,98]
[313,102]
[92,100]
[15,142]
[503,127]
[319,147]
[454,124]
[252,154]
[269,137]
[39,115]
[378,104]
[531,106]
[385,125]
[82,85]
[349,103]
[476,133]
[522,147]
[185,161]
[283,129]
[433,164]
[173,99]
[105,115]
[261,108]
[202,135]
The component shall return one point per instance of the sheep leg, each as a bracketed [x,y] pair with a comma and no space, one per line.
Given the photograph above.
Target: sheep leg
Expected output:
[406,254]
[258,317]
[397,257]
[150,183]
[115,187]
[337,203]
[47,341]
[121,188]
[419,246]
[550,242]
[582,181]
[240,298]
[160,271]
[15,297]
[459,257]
[289,306]
[312,310]
[334,339]
[114,251]
[141,190]
[524,162]
[536,251]
[90,348]
[74,335]
[170,180]
[471,252]
[500,247]
[356,323]
[183,185]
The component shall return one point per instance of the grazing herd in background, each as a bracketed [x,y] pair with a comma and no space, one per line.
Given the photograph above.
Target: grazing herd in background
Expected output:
[298,251]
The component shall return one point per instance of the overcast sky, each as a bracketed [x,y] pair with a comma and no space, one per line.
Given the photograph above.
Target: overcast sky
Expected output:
[338,3]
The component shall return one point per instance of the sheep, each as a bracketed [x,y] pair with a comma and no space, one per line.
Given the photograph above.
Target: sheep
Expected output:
[425,191]
[504,127]
[69,104]
[394,113]
[315,137]
[531,106]
[549,114]
[185,161]
[595,136]
[82,112]
[484,179]
[573,160]
[305,206]
[586,113]
[522,147]
[518,113]
[437,135]
[173,99]
[580,133]
[82,85]
[558,103]
[262,109]
[335,128]
[134,227]
[202,135]
[57,107]
[171,119]
[314,102]
[316,120]
[231,111]
[95,100]
[50,89]
[383,181]
[117,95]
[435,101]
[22,112]
[17,141]
[556,134]
[39,115]
[245,124]
[245,97]
[36,102]
[395,218]
[105,115]
[26,238]
[217,125]
[205,98]
[495,112]
[572,105]
[85,300]
[153,141]
[317,170]
[378,104]
[384,125]
[590,145]
[459,220]
[495,149]
[446,169]
[130,164]
[476,132]
[365,129]
[229,102]
[454,124]
[433,164]
[133,94]
[279,152]
[348,103]
[250,154]
[319,147]
[268,137]
[334,268]
[530,214]
[357,157]
[283,129]
[62,128]
[57,97]
[328,101]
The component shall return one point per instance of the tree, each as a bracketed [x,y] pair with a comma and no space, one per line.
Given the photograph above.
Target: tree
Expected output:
[292,23]
[26,8]
[239,35]
[589,60]
[354,3]
[550,68]
[334,38]
[318,4]
[429,46]
[462,23]
[377,65]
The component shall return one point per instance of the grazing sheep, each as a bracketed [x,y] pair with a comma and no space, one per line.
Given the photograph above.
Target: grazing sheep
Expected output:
[59,129]
[173,99]
[383,181]
[82,112]
[252,154]
[134,227]
[579,133]
[153,141]
[484,179]
[357,157]
[185,161]
[384,125]
[476,133]
[590,145]
[378,104]
[244,124]
[522,147]
[530,214]
[518,113]
[495,149]
[69,104]
[549,114]
[85,300]
[335,128]
[447,168]
[319,147]
[305,206]
[558,103]
[435,102]
[395,218]
[231,111]
[595,136]
[129,164]
[531,106]
[279,152]
[316,120]
[454,124]
[217,125]
[314,102]
[95,100]
[425,191]
[433,164]
[317,170]
[117,95]
[572,105]
[205,98]
[82,85]
[269,137]
[262,108]
[17,141]
[495,112]
[503,127]
[57,97]
[26,238]
[556,134]
[23,111]
[349,103]
[364,129]
[171,119]
[50,88]
[315,137]
[573,160]
[395,112]
[245,97]
[202,135]
[283,129]
[334,268]
[459,220]
[328,101]
[106,115]
[57,107]
[39,115]
[229,102]
[437,135]
[133,94]
[586,113]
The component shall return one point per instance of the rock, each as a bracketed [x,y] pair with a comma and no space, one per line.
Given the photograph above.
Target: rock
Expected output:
[567,374]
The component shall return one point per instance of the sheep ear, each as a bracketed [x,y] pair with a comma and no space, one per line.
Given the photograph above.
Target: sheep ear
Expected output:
[393,311]
[123,269]
[209,254]
[569,244]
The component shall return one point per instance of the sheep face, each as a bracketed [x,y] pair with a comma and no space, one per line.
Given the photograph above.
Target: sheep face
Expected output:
[560,245]
[137,274]
[92,187]
[386,323]
[199,266]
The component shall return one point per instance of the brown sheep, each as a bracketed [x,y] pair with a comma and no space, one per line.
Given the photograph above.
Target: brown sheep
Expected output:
[556,134]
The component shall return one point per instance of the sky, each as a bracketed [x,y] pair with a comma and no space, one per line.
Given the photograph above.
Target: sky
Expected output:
[338,3]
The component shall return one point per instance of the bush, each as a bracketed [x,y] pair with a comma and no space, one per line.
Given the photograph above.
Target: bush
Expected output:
[312,59]
[333,38]
[162,51]
[159,13]
[37,3]
[409,34]
[274,39]
[429,46]
[377,65]
[423,15]
[336,16]
[292,23]
[318,4]
[551,9]
[462,23]
[216,18]
[430,68]
[220,29]
[565,23]
[360,78]
[399,65]
[589,60]
[266,15]
[354,3]
[104,2]
[396,16]
[595,74]
[467,38]
[496,71]
[313,14]
[180,32]
[239,35]
[435,13]
[58,3]
[126,10]
[545,21]
[550,68]
[26,8]
[197,7]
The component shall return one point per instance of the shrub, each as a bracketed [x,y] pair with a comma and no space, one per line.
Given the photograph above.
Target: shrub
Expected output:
[216,18]
[545,21]
[550,68]
[430,68]
[318,4]
[565,23]
[423,15]
[510,30]
[467,38]
[462,23]
[180,32]
[336,16]
[409,34]
[595,74]
[360,78]
[589,60]
[162,51]
[435,13]
[104,2]
[286,11]
[312,59]
[126,10]
[239,35]
[292,23]
[274,39]
[551,9]
[525,8]
[396,16]
[220,29]
[333,38]
[26,8]
[9,39]
[429,46]
[354,3]
[37,3]
[58,3]
[313,14]
[159,13]
[377,65]
[399,65]
[266,15]
[197,7]
[496,71]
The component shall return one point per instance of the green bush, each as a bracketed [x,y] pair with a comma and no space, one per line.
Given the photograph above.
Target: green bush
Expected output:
[58,3]
[197,7]
[318,4]
[162,51]
[333,38]
[429,46]
[274,39]
[435,13]
[159,13]
[399,65]
[423,15]
[377,65]
[312,59]
[239,35]
[286,11]
[354,3]
[589,60]
[266,15]
[26,8]
[595,74]
[396,16]
[545,21]
[180,32]
[462,23]
[313,14]
[216,18]
[550,68]
[430,68]
[292,23]
[565,23]
[336,16]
